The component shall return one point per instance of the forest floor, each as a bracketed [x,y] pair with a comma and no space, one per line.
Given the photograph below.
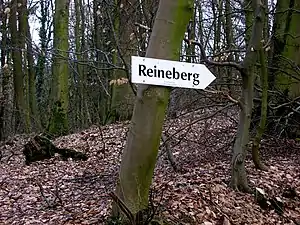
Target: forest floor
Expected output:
[76,192]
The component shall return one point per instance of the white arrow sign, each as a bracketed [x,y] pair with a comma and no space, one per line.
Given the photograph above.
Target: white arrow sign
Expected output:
[170,73]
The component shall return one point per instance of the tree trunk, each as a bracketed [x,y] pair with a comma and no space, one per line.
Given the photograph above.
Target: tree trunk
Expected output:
[286,47]
[79,86]
[31,81]
[17,37]
[58,124]
[284,67]
[23,17]
[139,156]
[99,36]
[5,75]
[80,44]
[41,60]
[116,90]
[190,50]
[228,27]
[84,99]
[263,111]
[122,96]
[238,177]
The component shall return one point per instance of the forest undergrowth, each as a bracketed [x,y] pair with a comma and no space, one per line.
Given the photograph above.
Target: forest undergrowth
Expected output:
[54,191]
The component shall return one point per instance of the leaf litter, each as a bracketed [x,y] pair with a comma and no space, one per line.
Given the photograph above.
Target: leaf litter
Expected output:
[76,192]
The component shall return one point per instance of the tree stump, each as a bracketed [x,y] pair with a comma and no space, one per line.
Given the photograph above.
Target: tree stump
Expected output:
[40,148]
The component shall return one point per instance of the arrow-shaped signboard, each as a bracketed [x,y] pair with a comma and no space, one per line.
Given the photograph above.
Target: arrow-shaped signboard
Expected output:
[170,73]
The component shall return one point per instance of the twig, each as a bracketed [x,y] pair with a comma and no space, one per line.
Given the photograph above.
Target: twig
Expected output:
[205,59]
[143,26]
[53,204]
[227,95]
[200,119]
[203,54]
[169,153]
[216,205]
[123,207]
[285,104]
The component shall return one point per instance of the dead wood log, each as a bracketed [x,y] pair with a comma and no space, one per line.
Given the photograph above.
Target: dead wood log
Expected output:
[40,148]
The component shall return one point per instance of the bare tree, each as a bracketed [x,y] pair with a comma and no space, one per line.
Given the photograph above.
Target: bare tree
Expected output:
[139,156]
